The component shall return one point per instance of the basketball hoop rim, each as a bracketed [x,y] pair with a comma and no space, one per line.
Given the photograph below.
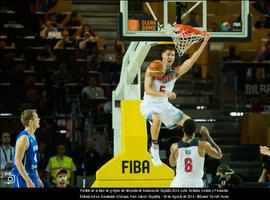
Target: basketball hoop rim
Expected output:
[190,29]
[184,37]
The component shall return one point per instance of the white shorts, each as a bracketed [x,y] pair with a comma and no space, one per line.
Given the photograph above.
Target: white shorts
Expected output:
[179,182]
[169,114]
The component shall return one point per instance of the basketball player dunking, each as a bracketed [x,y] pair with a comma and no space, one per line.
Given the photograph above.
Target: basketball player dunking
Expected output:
[25,162]
[155,106]
[188,156]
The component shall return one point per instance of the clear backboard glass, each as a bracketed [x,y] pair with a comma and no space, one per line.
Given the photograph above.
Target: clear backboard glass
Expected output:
[146,20]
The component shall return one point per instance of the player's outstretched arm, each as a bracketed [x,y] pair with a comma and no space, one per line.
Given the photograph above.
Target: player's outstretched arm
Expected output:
[210,147]
[265,150]
[21,147]
[190,62]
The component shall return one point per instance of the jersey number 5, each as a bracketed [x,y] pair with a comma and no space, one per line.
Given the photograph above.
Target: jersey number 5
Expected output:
[162,88]
[188,164]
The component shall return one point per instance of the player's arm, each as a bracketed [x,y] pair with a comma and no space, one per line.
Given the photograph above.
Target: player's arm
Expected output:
[210,147]
[149,90]
[40,181]
[148,86]
[190,62]
[173,154]
[211,151]
[263,175]
[21,147]
[265,150]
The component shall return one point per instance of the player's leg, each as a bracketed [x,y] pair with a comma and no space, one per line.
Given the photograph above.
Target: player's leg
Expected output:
[173,117]
[154,130]
[181,122]
[151,112]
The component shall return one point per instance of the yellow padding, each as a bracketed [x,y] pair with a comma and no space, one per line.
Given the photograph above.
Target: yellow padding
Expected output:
[133,166]
[165,42]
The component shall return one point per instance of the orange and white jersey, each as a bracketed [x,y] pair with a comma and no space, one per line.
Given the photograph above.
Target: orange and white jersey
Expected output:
[189,165]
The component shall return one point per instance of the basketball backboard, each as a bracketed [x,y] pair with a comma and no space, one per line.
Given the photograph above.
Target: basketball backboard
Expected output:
[146,20]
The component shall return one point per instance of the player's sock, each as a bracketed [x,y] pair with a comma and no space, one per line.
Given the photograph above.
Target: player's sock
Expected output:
[155,143]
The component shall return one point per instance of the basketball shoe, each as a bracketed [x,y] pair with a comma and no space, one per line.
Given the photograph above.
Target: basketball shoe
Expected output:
[154,151]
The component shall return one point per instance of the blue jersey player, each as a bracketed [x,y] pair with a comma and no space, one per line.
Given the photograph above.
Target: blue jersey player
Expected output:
[25,161]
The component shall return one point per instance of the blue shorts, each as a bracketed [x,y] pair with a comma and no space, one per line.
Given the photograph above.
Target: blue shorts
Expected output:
[19,182]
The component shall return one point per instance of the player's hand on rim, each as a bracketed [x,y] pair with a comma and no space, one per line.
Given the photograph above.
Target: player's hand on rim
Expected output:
[206,37]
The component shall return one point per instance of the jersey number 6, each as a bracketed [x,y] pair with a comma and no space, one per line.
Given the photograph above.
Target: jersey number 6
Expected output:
[188,164]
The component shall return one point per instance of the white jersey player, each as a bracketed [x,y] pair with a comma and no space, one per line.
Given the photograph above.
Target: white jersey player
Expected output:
[155,106]
[188,156]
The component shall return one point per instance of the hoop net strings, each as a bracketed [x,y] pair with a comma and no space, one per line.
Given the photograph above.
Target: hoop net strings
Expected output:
[183,39]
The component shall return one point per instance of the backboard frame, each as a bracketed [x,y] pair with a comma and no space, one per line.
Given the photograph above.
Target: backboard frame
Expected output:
[244,35]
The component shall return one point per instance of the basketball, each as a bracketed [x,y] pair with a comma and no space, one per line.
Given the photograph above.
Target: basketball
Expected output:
[156,68]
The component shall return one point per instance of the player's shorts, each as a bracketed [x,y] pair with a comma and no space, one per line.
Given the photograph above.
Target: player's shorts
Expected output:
[186,183]
[169,114]
[20,183]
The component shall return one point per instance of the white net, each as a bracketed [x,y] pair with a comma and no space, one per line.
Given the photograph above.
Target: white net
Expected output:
[183,37]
